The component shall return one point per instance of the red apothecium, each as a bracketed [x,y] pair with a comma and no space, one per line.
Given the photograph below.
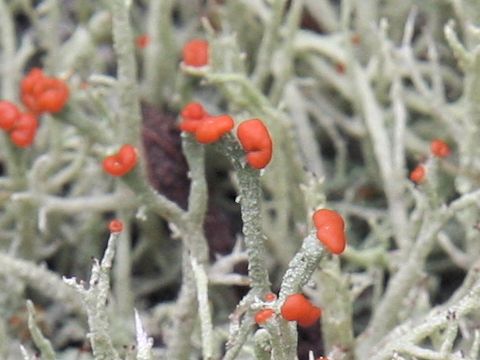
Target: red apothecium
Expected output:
[41,93]
[330,230]
[195,53]
[122,162]
[256,142]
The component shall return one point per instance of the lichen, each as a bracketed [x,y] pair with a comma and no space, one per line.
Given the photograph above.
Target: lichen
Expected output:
[352,94]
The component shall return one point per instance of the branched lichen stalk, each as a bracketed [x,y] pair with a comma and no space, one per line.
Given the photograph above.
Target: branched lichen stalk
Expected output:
[375,124]
[309,145]
[195,245]
[324,12]
[249,192]
[160,56]
[122,272]
[197,200]
[4,339]
[95,302]
[267,45]
[337,317]
[44,281]
[250,198]
[475,349]
[283,72]
[154,200]
[129,112]
[25,354]
[26,228]
[283,339]
[92,130]
[51,40]
[184,316]
[471,120]
[42,343]
[242,93]
[385,315]
[8,53]
[408,334]
[262,345]
[99,203]
[190,225]
[8,85]
[240,330]
[144,343]
[205,314]
[301,267]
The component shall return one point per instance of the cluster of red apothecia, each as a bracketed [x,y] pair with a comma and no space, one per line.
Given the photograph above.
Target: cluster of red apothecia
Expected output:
[257,144]
[330,228]
[122,162]
[252,134]
[439,149]
[195,53]
[296,307]
[39,94]
[255,139]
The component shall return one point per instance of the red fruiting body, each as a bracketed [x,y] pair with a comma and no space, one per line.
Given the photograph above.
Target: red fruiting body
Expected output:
[256,142]
[115,226]
[298,308]
[192,114]
[439,148]
[418,174]
[212,128]
[294,307]
[41,93]
[195,53]
[9,114]
[207,129]
[122,162]
[270,297]
[330,230]
[310,317]
[53,94]
[142,41]
[31,79]
[24,130]
[262,316]
[22,127]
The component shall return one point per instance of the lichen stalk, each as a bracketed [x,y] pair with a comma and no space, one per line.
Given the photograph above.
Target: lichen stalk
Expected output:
[43,344]
[337,310]
[160,59]
[8,52]
[44,281]
[122,272]
[269,36]
[250,198]
[95,301]
[178,342]
[205,315]
[129,114]
[301,267]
